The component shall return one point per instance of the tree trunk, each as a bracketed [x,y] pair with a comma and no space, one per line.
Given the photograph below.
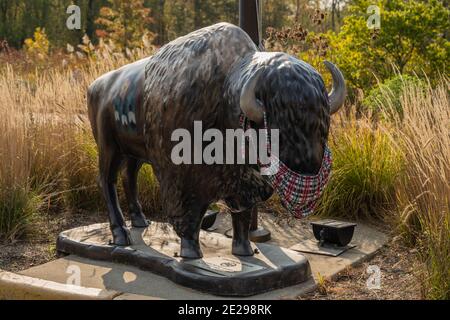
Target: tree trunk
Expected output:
[249,20]
[297,12]
[90,23]
[161,23]
[333,15]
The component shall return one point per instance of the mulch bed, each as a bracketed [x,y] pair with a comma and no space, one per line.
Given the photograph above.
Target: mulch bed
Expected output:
[40,246]
[399,278]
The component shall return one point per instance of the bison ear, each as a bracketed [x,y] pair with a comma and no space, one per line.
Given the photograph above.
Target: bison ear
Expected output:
[250,105]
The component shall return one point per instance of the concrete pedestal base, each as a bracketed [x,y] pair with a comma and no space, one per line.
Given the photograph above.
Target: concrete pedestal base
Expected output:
[156,249]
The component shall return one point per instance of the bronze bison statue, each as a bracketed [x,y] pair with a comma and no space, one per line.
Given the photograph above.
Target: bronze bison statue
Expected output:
[213,75]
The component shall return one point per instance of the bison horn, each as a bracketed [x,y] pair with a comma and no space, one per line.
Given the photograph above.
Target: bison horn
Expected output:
[250,106]
[339,92]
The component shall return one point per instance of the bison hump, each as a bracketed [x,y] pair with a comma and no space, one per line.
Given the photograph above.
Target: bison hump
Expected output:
[206,55]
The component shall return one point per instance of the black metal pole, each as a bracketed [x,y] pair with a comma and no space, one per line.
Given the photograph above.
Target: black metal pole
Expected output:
[248,19]
[249,15]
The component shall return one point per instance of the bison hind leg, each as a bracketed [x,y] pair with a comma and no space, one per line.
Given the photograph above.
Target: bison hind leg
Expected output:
[130,186]
[110,162]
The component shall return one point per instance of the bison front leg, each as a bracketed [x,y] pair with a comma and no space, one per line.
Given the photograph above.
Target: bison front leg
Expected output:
[188,228]
[241,228]
[130,186]
[190,245]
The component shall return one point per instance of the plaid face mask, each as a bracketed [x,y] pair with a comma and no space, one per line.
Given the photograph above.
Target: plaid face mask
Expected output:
[299,193]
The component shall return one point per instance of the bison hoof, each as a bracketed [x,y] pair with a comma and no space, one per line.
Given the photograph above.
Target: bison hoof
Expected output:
[139,221]
[190,249]
[122,237]
[242,248]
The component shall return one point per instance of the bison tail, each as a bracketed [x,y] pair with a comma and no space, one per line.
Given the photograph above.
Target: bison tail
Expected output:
[92,104]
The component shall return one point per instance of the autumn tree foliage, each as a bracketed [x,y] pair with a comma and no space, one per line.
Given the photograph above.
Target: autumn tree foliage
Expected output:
[125,22]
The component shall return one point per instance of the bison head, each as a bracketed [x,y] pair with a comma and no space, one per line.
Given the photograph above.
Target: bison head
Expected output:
[294,98]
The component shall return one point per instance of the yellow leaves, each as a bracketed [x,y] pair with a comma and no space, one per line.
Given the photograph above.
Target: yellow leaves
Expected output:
[39,45]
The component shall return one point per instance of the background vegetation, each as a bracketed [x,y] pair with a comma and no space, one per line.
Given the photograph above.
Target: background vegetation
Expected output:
[391,143]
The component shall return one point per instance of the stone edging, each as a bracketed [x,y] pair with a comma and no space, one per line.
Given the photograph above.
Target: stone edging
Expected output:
[18,287]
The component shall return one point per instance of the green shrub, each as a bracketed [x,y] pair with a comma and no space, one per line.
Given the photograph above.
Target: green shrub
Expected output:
[81,189]
[404,41]
[18,206]
[366,165]
[149,192]
[388,96]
